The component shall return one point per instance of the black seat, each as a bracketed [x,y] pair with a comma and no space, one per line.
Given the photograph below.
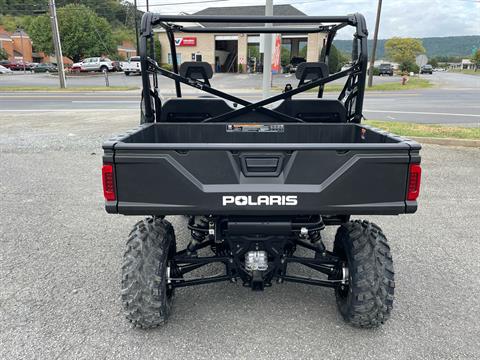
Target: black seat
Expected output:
[192,110]
[197,70]
[308,71]
[314,110]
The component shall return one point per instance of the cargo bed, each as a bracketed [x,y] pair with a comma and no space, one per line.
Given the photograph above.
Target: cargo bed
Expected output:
[189,168]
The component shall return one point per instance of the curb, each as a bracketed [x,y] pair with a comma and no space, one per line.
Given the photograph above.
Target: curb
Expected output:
[446,141]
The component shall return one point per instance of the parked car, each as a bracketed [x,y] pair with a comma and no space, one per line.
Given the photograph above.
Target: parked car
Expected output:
[76,67]
[4,70]
[94,64]
[116,66]
[294,62]
[45,68]
[426,69]
[385,69]
[18,65]
[5,63]
[132,66]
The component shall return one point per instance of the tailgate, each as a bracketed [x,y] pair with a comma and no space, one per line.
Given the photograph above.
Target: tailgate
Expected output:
[262,179]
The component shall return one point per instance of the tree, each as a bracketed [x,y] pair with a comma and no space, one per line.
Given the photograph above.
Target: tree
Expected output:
[82,32]
[3,54]
[158,49]
[285,56]
[404,51]
[335,60]
[476,59]
[433,62]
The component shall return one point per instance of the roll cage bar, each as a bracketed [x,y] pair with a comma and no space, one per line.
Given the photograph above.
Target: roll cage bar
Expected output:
[351,95]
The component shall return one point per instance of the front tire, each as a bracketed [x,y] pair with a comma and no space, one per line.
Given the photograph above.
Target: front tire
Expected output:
[146,298]
[367,300]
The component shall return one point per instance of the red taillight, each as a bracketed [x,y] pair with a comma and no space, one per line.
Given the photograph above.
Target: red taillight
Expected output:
[108,182]
[414,178]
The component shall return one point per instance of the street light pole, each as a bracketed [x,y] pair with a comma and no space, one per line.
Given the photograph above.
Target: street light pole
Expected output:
[267,53]
[56,43]
[374,50]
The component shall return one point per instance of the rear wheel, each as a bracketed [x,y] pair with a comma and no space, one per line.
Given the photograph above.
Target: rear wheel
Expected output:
[367,299]
[103,68]
[146,298]
[127,73]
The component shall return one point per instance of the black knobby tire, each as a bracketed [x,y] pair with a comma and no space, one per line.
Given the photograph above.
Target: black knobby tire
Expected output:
[146,299]
[367,300]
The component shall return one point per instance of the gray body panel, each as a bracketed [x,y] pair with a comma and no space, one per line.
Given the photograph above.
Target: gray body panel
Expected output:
[188,176]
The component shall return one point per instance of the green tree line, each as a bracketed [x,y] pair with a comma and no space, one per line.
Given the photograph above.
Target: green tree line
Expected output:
[117,12]
[87,27]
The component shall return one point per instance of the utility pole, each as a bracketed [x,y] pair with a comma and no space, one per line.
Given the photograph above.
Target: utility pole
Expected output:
[267,53]
[56,43]
[374,50]
[135,16]
[148,7]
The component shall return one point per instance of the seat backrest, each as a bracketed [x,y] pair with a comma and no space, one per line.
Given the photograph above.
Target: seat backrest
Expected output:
[314,110]
[198,70]
[192,110]
[311,71]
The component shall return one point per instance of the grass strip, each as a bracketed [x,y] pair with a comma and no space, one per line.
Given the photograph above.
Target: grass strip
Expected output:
[427,130]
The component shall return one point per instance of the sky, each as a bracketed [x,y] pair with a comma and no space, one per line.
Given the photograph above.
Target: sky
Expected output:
[404,18]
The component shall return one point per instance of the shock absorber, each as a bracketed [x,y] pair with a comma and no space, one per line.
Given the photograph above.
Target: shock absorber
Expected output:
[199,232]
[313,233]
[316,240]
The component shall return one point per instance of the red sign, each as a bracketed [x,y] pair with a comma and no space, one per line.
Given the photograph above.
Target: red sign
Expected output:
[276,66]
[186,41]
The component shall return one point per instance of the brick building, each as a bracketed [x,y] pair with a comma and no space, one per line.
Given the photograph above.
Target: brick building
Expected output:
[232,52]
[17,45]
[126,50]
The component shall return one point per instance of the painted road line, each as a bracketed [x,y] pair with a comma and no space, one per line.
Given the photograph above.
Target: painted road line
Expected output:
[66,110]
[104,102]
[84,96]
[419,113]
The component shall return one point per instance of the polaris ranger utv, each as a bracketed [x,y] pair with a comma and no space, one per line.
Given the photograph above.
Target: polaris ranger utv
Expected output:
[256,182]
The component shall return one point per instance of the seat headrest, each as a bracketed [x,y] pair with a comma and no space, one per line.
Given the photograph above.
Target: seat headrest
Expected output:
[198,70]
[311,71]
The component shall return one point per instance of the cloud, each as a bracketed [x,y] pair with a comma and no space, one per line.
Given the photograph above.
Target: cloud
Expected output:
[406,18]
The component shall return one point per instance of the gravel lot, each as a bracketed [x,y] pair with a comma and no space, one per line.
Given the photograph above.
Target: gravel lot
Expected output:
[61,253]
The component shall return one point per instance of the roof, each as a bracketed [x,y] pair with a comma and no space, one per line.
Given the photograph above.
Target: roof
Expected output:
[5,37]
[278,10]
[20,33]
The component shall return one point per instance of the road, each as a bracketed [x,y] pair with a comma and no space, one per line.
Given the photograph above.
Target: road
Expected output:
[61,256]
[454,101]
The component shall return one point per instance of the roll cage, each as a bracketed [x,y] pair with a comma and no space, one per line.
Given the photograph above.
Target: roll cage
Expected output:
[351,95]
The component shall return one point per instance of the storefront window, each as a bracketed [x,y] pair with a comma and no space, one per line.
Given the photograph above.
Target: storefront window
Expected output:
[302,48]
[179,58]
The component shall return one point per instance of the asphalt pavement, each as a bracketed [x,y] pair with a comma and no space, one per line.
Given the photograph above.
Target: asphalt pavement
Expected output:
[454,100]
[61,256]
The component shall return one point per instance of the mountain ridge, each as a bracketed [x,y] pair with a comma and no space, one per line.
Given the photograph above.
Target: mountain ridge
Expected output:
[435,46]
